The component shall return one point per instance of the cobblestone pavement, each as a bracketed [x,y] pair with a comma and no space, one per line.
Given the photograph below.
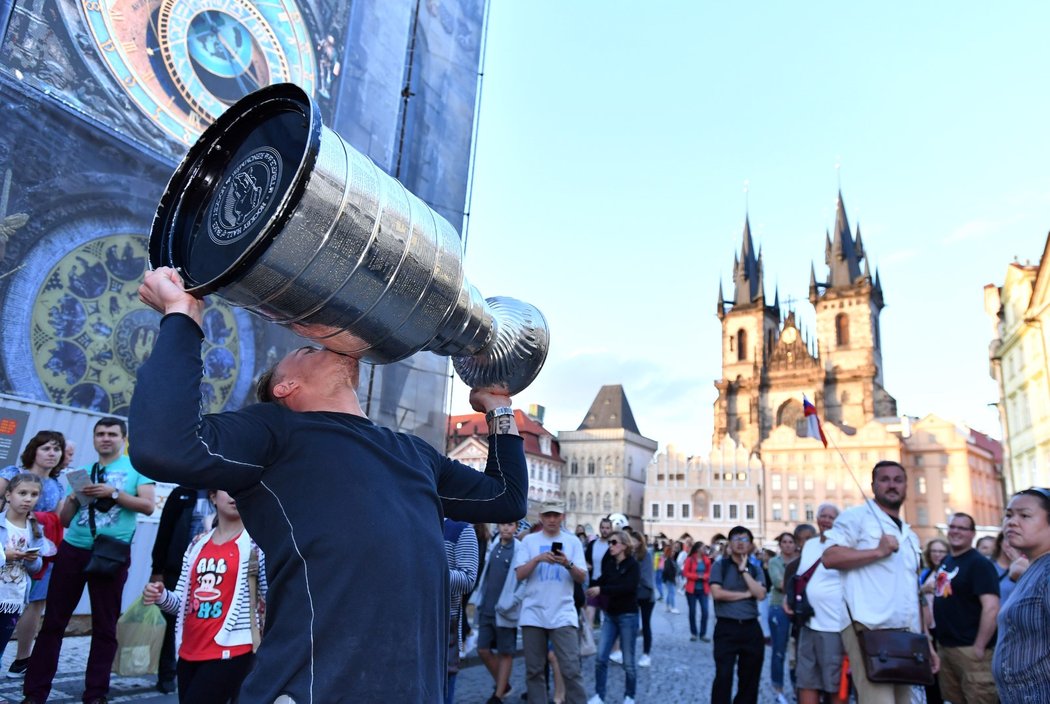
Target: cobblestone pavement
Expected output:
[682,670]
[69,682]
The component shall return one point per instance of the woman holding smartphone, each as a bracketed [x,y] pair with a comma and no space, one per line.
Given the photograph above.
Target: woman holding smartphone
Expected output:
[620,587]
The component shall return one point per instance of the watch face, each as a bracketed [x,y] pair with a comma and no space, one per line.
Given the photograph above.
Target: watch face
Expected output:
[183,62]
[789,335]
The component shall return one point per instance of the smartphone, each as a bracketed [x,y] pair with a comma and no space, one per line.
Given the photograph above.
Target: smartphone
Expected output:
[31,551]
[556,547]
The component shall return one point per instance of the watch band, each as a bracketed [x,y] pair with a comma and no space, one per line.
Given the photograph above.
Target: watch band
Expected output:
[497,412]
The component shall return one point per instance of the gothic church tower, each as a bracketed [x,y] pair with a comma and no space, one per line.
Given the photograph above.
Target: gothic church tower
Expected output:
[768,364]
[749,330]
[848,305]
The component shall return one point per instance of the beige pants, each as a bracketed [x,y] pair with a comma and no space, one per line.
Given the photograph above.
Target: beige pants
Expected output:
[869,692]
[965,678]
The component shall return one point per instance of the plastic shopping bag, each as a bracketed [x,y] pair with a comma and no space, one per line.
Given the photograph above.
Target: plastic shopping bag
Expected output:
[140,635]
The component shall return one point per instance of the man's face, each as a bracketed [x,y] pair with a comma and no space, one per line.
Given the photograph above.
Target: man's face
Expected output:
[605,528]
[551,522]
[801,537]
[109,441]
[740,544]
[826,519]
[507,531]
[960,534]
[890,486]
[71,451]
[316,367]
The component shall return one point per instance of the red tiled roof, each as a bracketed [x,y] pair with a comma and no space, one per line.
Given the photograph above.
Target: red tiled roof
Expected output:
[988,443]
[464,426]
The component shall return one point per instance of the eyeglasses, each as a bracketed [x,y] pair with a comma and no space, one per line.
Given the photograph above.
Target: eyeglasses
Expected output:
[613,541]
[740,539]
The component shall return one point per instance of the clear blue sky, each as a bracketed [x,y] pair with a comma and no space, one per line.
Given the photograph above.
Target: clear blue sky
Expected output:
[613,146]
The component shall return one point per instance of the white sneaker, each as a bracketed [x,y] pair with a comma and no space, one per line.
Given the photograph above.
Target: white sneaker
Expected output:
[628,700]
[675,611]
[616,657]
[644,661]
[470,643]
[595,700]
[781,699]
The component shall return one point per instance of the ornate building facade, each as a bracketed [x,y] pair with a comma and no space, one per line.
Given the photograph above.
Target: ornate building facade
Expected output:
[769,364]
[1020,310]
[468,442]
[606,458]
[700,497]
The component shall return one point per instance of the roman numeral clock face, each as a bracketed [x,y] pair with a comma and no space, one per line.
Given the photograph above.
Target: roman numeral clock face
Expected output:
[183,62]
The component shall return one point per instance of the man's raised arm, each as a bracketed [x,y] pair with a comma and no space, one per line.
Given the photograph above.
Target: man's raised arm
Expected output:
[499,494]
[172,441]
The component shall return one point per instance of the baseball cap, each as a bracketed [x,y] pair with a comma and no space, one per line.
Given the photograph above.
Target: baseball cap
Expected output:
[552,507]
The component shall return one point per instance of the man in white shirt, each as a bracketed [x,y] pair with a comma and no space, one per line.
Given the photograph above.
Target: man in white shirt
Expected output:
[819,664]
[878,556]
[549,562]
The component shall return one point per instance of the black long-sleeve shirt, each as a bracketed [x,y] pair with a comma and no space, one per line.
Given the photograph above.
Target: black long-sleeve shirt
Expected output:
[619,582]
[324,494]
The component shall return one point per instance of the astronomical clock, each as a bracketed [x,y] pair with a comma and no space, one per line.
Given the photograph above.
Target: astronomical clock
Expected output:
[160,71]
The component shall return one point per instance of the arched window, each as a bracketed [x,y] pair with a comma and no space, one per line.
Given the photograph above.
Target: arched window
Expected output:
[792,415]
[575,466]
[572,501]
[842,330]
[607,502]
[588,503]
[741,345]
[608,465]
[590,466]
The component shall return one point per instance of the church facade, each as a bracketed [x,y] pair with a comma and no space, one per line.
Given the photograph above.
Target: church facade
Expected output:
[770,365]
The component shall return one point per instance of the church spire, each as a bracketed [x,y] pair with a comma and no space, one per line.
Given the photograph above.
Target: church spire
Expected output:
[747,273]
[841,254]
[721,307]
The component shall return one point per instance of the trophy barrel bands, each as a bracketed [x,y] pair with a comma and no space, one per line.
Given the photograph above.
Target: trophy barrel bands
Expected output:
[274,212]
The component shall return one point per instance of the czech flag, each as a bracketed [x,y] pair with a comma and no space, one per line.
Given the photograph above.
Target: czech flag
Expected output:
[813,429]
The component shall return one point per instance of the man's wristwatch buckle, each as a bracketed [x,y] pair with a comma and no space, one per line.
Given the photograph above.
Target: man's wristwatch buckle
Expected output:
[497,412]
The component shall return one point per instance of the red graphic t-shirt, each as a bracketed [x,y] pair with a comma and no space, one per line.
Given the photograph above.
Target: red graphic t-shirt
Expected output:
[210,593]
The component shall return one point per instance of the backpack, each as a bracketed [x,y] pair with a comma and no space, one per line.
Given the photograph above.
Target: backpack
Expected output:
[795,594]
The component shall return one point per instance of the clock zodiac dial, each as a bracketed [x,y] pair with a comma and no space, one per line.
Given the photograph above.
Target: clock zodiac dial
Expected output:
[183,62]
[88,333]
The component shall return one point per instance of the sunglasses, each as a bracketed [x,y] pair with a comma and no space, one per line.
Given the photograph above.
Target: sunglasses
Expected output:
[613,541]
[740,539]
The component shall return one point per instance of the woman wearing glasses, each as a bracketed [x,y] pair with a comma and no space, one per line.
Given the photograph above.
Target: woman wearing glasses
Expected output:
[1021,665]
[620,587]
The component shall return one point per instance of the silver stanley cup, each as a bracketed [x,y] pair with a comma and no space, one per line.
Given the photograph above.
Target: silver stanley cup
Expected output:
[274,212]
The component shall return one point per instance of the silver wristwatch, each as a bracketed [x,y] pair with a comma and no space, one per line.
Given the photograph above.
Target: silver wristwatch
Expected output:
[497,412]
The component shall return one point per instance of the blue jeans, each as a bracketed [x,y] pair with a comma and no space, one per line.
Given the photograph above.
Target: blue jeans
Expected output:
[669,597]
[779,632]
[694,599]
[626,627]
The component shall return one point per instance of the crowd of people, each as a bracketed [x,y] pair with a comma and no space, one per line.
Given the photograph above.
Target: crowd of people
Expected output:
[983,605]
[313,627]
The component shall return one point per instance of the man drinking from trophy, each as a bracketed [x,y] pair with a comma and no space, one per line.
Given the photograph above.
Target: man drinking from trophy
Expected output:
[320,487]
